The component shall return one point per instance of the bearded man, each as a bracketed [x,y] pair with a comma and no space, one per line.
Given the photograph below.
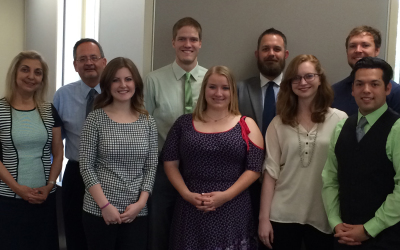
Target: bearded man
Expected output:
[257,95]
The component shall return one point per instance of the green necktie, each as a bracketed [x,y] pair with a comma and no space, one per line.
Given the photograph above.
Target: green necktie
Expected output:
[360,128]
[188,95]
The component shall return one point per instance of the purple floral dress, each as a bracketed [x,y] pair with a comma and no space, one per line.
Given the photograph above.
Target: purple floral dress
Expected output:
[212,162]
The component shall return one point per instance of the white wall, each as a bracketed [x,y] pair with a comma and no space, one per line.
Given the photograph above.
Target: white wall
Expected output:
[41,34]
[12,35]
[123,32]
[122,29]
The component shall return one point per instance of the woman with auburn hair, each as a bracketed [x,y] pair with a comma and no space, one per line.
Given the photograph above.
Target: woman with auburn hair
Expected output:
[297,142]
[118,161]
[30,132]
[211,158]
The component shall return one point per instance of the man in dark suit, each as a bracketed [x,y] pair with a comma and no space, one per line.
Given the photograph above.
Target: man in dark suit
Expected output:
[257,95]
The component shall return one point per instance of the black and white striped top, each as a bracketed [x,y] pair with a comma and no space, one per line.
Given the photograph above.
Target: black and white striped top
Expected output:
[121,157]
[8,152]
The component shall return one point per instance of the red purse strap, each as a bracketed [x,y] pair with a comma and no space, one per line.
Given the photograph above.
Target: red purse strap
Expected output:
[245,131]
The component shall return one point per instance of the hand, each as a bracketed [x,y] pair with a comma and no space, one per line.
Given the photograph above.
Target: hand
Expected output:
[24,192]
[131,212]
[266,233]
[205,205]
[40,194]
[192,198]
[29,194]
[350,234]
[111,215]
[215,199]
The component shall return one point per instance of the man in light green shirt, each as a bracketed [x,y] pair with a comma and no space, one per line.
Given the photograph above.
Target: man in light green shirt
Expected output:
[170,92]
[361,177]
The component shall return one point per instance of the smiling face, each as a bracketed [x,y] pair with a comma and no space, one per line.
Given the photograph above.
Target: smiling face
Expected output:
[89,70]
[29,76]
[361,46]
[271,56]
[306,90]
[369,90]
[217,92]
[122,86]
[186,44]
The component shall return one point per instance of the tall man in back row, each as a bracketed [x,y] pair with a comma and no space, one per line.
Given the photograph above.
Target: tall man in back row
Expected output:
[170,92]
[257,95]
[361,42]
[361,177]
[73,102]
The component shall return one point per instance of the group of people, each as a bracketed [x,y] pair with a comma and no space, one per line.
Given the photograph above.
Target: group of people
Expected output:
[190,159]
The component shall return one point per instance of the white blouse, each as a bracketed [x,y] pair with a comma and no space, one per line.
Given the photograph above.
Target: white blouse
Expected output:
[297,197]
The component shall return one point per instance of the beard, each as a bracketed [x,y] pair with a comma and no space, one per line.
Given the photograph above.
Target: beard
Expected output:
[269,68]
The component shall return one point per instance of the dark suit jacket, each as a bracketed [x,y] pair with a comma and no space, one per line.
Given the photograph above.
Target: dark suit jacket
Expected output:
[250,102]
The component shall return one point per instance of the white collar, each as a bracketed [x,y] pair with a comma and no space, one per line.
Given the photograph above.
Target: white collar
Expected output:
[264,80]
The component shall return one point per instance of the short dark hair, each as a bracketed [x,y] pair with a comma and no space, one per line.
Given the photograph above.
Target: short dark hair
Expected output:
[271,31]
[88,40]
[366,29]
[186,21]
[374,63]
[109,72]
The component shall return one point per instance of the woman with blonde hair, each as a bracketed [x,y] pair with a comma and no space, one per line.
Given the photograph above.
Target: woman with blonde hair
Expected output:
[211,158]
[118,161]
[30,132]
[297,142]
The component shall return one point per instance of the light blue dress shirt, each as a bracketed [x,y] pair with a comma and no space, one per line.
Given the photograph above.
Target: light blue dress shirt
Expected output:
[70,102]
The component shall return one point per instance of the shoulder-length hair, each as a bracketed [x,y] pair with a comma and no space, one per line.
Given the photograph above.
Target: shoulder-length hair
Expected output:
[106,79]
[201,106]
[11,79]
[287,102]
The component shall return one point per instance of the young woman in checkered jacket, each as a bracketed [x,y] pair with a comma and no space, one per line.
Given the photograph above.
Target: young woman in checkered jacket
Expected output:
[118,159]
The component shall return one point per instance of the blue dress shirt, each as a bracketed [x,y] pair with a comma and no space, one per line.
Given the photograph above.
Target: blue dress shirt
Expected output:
[70,102]
[344,101]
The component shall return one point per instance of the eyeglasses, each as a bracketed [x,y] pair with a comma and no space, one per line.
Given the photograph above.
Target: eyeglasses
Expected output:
[307,77]
[91,58]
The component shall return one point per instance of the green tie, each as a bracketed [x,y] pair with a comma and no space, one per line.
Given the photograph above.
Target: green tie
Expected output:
[188,95]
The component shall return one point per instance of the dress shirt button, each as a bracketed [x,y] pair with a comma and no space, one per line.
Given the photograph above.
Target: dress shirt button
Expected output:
[306,143]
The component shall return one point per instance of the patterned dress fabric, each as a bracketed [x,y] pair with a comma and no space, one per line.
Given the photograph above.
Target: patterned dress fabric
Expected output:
[212,162]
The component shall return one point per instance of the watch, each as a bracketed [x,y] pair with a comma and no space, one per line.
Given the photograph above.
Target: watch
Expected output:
[52,182]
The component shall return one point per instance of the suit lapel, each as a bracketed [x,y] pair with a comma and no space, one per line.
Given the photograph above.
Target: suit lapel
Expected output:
[254,89]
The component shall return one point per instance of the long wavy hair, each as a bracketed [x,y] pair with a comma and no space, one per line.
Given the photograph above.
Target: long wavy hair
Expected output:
[109,72]
[287,103]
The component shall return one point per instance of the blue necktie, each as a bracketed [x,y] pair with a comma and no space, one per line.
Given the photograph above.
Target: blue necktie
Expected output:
[90,101]
[269,107]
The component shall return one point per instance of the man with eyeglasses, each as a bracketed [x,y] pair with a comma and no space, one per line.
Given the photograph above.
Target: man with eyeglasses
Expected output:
[257,95]
[361,42]
[73,102]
